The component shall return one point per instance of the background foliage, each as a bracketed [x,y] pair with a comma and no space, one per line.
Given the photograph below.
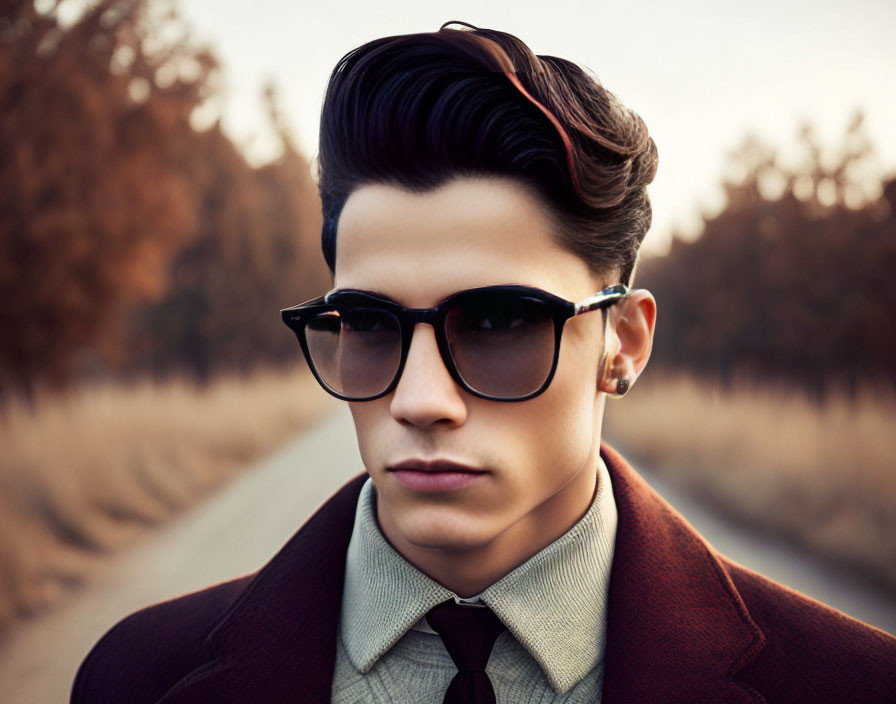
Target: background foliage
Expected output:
[133,242]
[792,282]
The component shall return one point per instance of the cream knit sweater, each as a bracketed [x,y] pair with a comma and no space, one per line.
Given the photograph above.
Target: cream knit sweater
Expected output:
[554,607]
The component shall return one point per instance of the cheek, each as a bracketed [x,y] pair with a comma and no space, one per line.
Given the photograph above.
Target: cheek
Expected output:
[564,430]
[566,420]
[369,420]
[548,440]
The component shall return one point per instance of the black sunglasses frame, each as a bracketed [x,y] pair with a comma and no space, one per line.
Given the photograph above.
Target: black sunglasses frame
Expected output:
[561,310]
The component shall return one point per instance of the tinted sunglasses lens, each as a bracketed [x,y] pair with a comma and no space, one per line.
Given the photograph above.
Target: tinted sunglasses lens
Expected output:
[355,351]
[502,344]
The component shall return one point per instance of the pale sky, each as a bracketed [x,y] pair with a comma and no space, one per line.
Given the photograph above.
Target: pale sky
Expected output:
[701,74]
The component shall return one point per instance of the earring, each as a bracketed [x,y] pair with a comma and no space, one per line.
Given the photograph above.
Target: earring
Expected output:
[621,387]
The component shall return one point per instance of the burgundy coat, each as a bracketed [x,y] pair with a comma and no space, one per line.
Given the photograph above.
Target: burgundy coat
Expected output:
[685,625]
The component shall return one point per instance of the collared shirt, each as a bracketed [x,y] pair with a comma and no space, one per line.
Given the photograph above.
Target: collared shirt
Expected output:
[553,605]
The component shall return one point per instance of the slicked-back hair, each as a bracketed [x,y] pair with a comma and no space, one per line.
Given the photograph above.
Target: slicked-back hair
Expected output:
[418,110]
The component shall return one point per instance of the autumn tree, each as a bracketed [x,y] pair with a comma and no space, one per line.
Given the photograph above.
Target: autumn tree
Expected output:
[256,250]
[90,211]
[792,280]
[130,238]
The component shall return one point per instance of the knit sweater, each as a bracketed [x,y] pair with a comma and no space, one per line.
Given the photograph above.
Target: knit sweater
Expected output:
[554,607]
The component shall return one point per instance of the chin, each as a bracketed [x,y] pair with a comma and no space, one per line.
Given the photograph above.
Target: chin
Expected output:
[445,535]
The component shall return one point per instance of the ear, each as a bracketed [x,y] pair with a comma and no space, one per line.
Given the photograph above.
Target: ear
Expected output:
[629,339]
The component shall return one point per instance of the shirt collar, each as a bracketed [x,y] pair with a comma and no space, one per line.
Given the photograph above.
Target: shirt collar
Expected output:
[554,603]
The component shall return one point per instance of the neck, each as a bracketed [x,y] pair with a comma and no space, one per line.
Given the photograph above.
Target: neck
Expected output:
[469,571]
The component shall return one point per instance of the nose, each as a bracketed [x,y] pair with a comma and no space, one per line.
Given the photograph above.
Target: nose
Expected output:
[426,394]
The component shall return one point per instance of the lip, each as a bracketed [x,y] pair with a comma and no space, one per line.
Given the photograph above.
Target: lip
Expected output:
[434,475]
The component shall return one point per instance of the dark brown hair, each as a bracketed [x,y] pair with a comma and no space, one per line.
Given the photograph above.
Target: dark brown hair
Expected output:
[417,110]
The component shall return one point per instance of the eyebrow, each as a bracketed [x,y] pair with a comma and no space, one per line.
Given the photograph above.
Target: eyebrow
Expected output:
[378,294]
[342,289]
[388,298]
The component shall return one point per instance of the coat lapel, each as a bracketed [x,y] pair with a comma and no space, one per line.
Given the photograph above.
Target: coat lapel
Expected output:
[277,643]
[677,629]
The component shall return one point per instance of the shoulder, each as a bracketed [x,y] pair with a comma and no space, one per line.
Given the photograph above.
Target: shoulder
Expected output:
[813,652]
[146,653]
[668,585]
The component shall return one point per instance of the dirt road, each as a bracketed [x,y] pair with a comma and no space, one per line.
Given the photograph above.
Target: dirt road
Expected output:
[241,527]
[233,532]
[840,588]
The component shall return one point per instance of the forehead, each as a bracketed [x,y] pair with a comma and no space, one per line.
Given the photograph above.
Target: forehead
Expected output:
[418,248]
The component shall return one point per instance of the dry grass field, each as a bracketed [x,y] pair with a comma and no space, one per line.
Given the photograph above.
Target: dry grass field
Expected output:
[822,474]
[83,474]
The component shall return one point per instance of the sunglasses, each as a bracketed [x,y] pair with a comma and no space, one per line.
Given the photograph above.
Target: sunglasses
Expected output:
[500,343]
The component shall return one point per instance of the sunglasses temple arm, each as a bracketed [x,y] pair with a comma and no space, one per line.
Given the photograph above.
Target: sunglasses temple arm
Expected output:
[310,302]
[603,298]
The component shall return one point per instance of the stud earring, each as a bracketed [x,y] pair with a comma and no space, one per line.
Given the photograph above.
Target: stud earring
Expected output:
[622,387]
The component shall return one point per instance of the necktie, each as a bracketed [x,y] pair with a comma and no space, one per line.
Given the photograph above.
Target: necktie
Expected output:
[469,633]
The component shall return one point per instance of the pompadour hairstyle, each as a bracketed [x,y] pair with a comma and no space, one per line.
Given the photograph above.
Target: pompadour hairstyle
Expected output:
[417,110]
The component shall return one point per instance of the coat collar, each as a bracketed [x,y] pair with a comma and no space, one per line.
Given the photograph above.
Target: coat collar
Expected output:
[278,640]
[677,629]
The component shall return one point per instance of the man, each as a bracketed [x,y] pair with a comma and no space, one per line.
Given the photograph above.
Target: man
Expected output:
[483,209]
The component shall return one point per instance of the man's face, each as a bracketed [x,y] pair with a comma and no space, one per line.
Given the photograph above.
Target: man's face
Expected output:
[418,248]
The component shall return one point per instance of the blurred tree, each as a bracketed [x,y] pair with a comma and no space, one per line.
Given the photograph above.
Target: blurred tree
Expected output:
[89,210]
[792,280]
[256,250]
[129,237]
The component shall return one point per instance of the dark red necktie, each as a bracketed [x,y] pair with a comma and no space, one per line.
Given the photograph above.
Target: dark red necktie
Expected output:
[469,634]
